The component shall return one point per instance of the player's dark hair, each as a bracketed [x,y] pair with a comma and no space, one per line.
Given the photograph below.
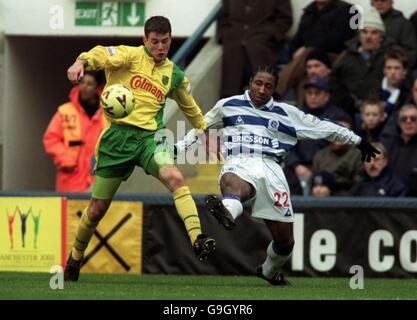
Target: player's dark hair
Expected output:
[157,24]
[273,71]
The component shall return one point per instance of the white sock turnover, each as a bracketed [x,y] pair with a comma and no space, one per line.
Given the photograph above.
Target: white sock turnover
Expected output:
[233,204]
[273,262]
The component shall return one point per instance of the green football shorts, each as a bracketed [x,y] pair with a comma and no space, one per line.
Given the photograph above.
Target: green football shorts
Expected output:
[122,147]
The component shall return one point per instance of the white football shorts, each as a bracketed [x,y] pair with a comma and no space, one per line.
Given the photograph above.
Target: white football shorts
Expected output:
[272,200]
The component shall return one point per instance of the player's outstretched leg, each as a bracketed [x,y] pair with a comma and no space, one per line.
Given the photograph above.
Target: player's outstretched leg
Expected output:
[72,269]
[278,252]
[215,206]
[187,210]
[184,203]
[270,270]
[103,192]
[84,232]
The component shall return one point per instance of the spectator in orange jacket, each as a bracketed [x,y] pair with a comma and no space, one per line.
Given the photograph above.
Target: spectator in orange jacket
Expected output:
[72,134]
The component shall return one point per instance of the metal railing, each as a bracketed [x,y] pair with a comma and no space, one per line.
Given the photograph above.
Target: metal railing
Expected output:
[182,53]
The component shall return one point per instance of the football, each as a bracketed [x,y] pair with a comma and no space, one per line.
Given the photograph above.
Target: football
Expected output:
[117,101]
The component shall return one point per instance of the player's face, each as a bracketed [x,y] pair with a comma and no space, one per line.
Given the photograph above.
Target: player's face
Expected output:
[375,166]
[88,87]
[158,45]
[261,88]
[394,71]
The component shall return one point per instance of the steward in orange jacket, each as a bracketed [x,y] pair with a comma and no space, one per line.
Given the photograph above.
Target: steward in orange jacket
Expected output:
[72,134]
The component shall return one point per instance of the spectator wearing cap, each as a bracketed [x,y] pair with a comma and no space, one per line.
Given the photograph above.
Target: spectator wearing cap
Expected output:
[360,69]
[397,27]
[324,25]
[317,102]
[317,63]
[402,148]
[377,180]
[338,165]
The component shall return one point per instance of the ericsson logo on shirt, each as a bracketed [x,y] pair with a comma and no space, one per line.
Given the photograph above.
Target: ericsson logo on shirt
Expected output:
[251,139]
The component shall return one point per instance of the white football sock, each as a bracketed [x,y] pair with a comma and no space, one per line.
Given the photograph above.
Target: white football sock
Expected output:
[273,262]
[233,204]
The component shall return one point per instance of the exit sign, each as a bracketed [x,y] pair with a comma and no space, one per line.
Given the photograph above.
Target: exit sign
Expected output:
[110,14]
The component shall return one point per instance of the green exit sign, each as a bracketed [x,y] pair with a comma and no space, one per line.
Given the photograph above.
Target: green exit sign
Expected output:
[110,14]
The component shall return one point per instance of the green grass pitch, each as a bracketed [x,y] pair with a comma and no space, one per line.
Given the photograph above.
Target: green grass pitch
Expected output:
[16,285]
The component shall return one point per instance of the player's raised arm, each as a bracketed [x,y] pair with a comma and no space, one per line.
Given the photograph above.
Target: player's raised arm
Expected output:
[99,58]
[185,100]
[195,137]
[308,126]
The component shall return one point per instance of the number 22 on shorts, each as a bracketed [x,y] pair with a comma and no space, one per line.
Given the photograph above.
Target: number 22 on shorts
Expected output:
[281,199]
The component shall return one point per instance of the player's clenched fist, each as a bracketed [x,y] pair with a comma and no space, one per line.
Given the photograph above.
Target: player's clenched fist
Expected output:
[76,72]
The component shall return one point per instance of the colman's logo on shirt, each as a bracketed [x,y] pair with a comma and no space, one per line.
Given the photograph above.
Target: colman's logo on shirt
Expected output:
[137,82]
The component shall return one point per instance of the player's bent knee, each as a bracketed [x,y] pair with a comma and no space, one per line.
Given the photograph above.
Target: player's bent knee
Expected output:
[95,215]
[98,209]
[172,177]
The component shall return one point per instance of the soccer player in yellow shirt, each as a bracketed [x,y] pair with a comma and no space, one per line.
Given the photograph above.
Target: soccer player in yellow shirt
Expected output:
[129,141]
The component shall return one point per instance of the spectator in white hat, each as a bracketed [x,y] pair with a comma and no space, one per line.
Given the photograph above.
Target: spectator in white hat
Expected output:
[360,70]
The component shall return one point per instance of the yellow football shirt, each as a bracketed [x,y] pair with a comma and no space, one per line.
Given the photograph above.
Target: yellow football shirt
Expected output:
[150,83]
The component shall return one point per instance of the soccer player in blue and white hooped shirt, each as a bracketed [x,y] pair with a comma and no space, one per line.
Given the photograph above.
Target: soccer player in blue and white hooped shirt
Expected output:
[258,133]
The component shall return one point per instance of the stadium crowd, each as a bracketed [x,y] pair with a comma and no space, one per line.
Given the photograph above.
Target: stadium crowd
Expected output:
[360,73]
[364,77]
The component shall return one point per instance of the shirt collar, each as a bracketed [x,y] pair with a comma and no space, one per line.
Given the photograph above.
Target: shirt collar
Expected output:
[147,52]
[269,104]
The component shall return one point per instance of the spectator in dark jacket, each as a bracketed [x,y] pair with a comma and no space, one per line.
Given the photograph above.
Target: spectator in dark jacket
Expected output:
[391,127]
[324,25]
[317,98]
[397,27]
[377,180]
[402,148]
[317,64]
[372,120]
[251,33]
[360,69]
[338,165]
